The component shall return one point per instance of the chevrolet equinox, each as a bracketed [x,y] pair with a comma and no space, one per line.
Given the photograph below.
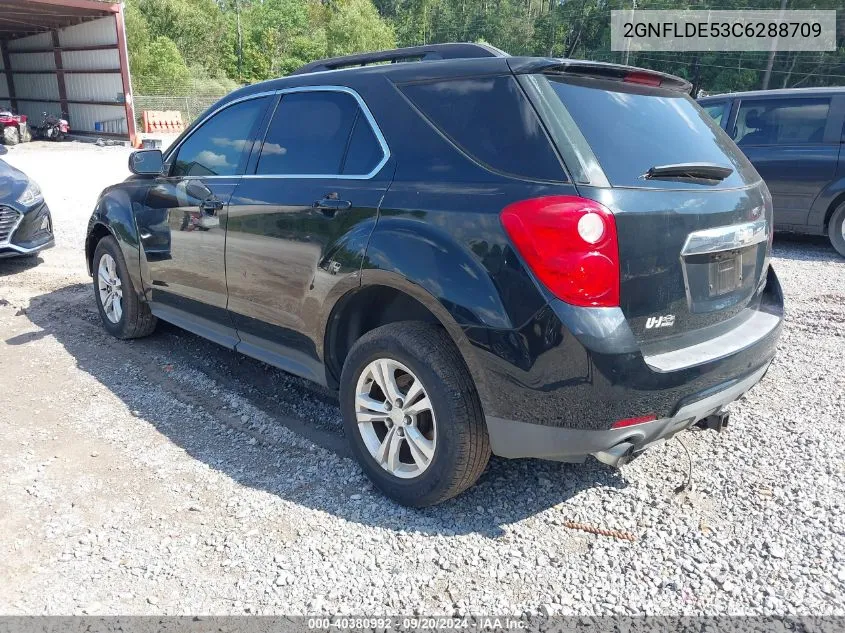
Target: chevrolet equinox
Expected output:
[528,257]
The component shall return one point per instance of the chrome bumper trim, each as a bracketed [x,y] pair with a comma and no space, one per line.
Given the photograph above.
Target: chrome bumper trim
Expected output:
[725,238]
[28,251]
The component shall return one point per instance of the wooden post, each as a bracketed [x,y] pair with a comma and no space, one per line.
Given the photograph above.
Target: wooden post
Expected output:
[10,78]
[60,78]
[129,106]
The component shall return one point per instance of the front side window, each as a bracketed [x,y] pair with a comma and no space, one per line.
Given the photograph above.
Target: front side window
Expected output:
[781,121]
[219,147]
[317,133]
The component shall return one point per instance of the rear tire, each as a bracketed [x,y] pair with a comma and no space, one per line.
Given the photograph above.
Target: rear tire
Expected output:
[836,230]
[450,448]
[123,314]
[11,135]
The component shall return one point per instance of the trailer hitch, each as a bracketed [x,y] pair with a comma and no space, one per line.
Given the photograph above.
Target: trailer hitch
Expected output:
[717,421]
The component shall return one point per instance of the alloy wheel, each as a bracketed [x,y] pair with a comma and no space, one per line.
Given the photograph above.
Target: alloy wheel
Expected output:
[395,418]
[111,291]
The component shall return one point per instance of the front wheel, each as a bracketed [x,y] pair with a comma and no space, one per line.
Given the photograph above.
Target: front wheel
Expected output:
[412,414]
[836,230]
[123,314]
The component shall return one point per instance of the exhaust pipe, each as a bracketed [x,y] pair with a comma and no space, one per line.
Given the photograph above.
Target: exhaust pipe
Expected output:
[616,456]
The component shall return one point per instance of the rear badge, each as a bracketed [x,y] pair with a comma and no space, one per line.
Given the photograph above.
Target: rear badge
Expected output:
[666,320]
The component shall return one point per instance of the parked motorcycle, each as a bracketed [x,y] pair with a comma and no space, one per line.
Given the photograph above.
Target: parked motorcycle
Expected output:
[52,128]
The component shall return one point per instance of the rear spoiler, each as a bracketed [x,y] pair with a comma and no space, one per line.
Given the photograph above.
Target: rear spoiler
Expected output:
[598,70]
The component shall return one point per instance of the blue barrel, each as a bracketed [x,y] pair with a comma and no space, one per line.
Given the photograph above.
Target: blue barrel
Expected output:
[98,126]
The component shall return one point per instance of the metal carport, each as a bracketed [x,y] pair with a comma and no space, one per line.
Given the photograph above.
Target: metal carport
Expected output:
[67,56]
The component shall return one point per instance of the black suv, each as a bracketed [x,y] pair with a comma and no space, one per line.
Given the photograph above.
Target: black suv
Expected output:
[482,253]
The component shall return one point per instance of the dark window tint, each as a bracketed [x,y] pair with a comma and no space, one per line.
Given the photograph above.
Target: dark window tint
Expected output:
[781,121]
[633,129]
[309,133]
[491,120]
[220,145]
[364,151]
[716,110]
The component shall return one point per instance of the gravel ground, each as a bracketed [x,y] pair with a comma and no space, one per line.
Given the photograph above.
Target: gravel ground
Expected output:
[167,475]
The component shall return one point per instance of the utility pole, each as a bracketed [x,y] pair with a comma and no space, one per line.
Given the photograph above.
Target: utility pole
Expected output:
[696,76]
[771,61]
[425,21]
[628,42]
[240,40]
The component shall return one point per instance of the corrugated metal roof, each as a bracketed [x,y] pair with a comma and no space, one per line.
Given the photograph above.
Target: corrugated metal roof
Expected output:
[47,15]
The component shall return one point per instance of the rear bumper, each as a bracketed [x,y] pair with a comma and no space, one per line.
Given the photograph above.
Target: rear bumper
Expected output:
[581,371]
[519,439]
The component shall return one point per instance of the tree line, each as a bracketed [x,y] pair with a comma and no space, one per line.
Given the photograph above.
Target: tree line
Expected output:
[211,46]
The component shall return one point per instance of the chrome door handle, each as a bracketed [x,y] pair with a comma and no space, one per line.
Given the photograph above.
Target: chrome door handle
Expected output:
[211,206]
[330,206]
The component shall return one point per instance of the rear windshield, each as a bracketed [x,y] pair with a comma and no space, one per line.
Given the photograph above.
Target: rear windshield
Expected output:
[631,129]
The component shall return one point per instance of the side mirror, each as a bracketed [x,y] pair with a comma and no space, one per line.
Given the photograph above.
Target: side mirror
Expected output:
[146,162]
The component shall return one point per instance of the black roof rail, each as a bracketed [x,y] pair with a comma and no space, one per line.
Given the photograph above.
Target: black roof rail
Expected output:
[412,53]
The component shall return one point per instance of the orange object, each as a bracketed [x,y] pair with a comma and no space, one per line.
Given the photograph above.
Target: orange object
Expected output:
[169,121]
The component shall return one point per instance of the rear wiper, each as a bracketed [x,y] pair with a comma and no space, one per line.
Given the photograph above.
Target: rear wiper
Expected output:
[705,173]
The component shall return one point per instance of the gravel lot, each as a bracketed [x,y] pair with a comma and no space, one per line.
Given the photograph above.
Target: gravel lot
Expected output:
[167,475]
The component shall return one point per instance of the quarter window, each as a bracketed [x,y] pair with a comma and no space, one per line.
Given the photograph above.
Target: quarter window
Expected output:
[364,149]
[219,147]
[781,121]
[491,120]
[319,133]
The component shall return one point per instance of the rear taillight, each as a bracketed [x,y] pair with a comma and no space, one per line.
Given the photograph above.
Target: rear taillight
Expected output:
[768,214]
[645,79]
[570,244]
[621,424]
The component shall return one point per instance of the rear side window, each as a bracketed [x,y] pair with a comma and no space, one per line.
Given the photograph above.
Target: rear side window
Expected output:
[364,151]
[220,145]
[319,133]
[631,129]
[781,121]
[490,119]
[716,110]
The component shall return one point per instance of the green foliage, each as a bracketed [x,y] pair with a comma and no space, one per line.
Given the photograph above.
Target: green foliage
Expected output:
[155,63]
[208,46]
[158,67]
[354,26]
[195,26]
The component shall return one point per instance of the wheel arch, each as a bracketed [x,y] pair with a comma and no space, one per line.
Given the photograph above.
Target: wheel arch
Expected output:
[837,202]
[113,217]
[824,205]
[397,299]
[97,232]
